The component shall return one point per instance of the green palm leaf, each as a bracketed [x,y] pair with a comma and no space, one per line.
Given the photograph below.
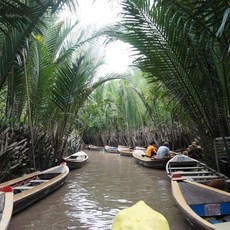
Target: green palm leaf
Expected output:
[176,44]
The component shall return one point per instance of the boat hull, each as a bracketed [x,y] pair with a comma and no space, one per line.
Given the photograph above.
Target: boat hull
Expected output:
[94,147]
[148,162]
[198,202]
[35,186]
[75,165]
[126,153]
[194,170]
[76,160]
[6,207]
[111,149]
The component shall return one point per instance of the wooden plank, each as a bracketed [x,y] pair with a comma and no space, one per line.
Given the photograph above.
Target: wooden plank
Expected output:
[38,181]
[19,179]
[189,213]
[193,172]
[23,187]
[203,177]
[200,195]
[182,168]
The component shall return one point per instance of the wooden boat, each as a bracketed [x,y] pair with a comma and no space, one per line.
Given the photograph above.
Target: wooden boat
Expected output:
[140,148]
[32,187]
[111,149]
[194,170]
[123,147]
[95,147]
[126,152]
[203,206]
[141,159]
[6,206]
[76,160]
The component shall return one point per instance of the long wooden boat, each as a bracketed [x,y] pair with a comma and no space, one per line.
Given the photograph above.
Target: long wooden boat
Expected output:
[6,206]
[140,148]
[141,159]
[194,170]
[123,147]
[111,149]
[203,206]
[76,160]
[95,147]
[125,151]
[32,187]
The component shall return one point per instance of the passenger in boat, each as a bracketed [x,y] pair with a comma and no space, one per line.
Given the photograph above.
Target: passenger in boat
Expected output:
[195,151]
[151,150]
[162,151]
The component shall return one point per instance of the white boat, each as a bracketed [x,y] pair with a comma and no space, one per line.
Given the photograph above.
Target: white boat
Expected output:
[126,152]
[194,170]
[76,160]
[143,160]
[111,149]
[140,148]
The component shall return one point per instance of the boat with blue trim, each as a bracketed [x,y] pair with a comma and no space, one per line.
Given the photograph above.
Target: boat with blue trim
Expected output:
[203,206]
[111,149]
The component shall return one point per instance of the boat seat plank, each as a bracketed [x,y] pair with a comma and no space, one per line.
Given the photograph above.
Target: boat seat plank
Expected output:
[23,187]
[192,173]
[203,177]
[38,181]
[183,168]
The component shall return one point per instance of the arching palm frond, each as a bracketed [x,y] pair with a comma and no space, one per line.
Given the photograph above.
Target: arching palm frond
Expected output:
[176,44]
[18,20]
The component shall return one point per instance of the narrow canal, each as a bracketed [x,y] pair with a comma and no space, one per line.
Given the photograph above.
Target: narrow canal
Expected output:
[94,194]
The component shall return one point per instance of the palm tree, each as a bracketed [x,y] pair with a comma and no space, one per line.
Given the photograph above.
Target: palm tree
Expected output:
[176,44]
[63,73]
[19,19]
[120,112]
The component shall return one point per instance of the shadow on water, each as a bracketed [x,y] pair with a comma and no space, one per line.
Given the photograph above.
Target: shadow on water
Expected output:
[95,193]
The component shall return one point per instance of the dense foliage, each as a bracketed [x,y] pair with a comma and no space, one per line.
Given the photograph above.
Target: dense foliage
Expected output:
[184,45]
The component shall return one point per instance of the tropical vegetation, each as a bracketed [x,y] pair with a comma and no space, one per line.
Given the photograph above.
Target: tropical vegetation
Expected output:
[45,79]
[184,45]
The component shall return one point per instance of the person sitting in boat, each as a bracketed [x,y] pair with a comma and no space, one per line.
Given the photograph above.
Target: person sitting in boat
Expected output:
[151,150]
[195,151]
[162,151]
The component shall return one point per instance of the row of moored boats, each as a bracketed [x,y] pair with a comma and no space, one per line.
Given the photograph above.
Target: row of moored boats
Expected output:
[198,190]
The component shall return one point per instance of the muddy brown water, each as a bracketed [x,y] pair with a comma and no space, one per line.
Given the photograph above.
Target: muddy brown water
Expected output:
[94,194]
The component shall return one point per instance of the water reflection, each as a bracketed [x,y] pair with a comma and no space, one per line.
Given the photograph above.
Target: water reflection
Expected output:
[94,194]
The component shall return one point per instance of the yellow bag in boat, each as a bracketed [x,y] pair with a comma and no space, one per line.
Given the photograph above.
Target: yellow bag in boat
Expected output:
[139,217]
